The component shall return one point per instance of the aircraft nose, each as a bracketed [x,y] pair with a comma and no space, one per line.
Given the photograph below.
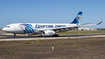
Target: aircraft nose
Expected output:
[4,29]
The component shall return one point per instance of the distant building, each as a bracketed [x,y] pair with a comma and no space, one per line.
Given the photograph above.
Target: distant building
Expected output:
[87,28]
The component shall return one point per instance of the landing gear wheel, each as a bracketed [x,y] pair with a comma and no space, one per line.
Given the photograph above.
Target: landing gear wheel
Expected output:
[14,35]
[56,35]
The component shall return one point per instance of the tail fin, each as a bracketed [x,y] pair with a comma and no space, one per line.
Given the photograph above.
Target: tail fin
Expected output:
[77,19]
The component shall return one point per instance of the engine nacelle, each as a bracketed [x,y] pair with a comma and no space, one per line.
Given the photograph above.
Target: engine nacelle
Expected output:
[48,33]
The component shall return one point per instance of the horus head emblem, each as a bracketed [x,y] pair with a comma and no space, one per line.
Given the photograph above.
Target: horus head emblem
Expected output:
[77,17]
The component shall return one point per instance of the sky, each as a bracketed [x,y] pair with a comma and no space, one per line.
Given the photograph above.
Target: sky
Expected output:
[51,11]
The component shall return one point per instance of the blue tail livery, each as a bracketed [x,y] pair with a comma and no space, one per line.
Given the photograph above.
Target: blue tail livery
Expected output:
[77,19]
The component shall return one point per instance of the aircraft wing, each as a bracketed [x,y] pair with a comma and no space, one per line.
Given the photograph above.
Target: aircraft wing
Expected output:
[89,24]
[86,24]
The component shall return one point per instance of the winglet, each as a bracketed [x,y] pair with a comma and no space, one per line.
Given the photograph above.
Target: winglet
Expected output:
[99,23]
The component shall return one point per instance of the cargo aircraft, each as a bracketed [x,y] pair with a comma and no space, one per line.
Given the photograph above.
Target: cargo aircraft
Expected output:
[46,29]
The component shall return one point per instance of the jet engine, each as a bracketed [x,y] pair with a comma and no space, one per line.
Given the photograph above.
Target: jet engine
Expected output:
[48,33]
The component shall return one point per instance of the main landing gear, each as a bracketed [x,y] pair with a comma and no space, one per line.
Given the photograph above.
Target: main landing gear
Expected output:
[14,35]
[55,35]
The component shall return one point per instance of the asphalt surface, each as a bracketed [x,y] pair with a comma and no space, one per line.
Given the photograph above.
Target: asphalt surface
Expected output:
[9,37]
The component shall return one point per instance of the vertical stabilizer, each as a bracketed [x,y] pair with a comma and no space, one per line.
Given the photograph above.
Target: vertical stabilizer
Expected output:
[77,19]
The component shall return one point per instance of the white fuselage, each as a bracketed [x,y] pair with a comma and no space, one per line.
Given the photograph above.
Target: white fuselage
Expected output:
[34,27]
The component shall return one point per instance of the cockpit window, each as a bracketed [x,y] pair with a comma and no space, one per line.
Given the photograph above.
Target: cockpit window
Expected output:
[7,26]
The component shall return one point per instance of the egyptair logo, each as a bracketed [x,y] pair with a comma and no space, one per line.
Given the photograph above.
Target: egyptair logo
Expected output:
[27,28]
[77,17]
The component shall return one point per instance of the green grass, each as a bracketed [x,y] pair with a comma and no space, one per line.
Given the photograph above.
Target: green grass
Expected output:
[27,42]
[7,53]
[12,52]
[59,41]
[38,41]
[0,53]
[74,46]
[81,32]
[68,37]
[86,47]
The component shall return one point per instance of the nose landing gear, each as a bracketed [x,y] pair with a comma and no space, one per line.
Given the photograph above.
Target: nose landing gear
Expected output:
[14,35]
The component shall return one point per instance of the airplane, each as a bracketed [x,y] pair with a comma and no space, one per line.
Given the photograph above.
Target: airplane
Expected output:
[46,29]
